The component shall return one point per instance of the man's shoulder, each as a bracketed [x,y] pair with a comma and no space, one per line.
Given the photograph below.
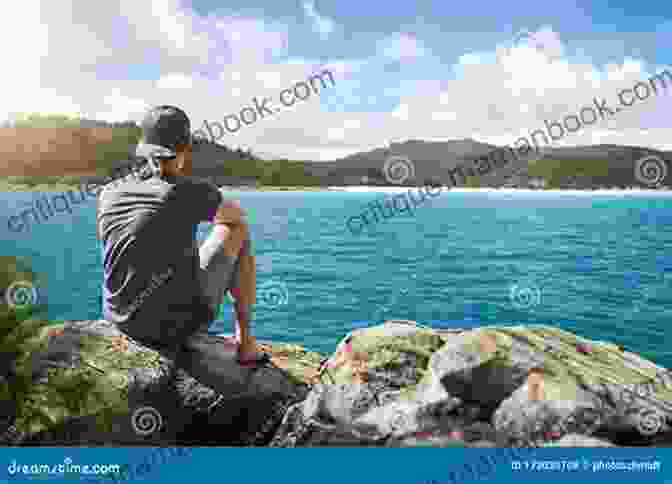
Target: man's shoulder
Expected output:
[194,180]
[193,184]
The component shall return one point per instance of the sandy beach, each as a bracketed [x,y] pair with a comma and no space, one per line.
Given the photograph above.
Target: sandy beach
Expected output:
[517,191]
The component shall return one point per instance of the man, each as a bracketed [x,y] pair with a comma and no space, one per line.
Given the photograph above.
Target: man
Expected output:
[159,287]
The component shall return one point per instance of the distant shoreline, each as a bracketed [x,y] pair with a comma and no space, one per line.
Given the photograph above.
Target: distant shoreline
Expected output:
[564,191]
[10,188]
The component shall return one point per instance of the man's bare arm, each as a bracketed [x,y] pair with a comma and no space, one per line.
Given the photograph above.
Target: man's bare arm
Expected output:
[230,213]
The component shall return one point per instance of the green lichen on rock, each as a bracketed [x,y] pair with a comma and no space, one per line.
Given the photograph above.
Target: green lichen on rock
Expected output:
[97,387]
[301,365]
[566,369]
[106,355]
[383,349]
[377,349]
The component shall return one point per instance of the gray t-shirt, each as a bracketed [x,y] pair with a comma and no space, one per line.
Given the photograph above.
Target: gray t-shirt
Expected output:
[150,254]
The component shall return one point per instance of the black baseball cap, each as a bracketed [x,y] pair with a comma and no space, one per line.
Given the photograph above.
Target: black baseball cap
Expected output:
[167,127]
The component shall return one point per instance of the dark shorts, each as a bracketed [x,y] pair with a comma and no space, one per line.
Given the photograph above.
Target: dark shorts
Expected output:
[218,273]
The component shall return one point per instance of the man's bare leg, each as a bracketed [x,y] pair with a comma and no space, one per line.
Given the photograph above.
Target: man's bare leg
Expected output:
[246,298]
[236,239]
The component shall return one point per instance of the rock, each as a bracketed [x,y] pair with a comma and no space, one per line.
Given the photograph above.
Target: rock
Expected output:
[129,384]
[298,431]
[577,390]
[577,440]
[408,385]
[452,433]
[366,386]
[398,384]
[527,421]
[471,366]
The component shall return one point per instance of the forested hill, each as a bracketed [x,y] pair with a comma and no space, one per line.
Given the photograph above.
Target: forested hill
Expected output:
[41,149]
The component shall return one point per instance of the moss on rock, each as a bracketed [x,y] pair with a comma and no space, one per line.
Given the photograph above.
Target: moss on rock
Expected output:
[566,368]
[300,364]
[95,386]
[383,352]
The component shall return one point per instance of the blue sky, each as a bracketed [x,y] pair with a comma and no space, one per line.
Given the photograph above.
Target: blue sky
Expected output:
[491,71]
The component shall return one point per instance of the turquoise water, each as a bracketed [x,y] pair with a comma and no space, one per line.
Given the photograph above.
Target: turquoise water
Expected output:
[594,264]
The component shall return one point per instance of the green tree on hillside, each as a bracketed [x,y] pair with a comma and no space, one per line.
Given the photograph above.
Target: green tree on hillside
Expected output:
[123,143]
[38,120]
[473,182]
[271,173]
[555,172]
[288,173]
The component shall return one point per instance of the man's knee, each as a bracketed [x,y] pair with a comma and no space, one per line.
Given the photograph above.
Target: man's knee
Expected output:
[234,237]
[230,212]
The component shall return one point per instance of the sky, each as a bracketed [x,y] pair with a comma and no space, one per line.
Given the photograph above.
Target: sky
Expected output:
[430,70]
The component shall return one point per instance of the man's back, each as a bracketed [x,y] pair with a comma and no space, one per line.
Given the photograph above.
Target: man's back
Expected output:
[150,256]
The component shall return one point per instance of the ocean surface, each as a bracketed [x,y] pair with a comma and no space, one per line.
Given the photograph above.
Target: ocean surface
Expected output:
[598,264]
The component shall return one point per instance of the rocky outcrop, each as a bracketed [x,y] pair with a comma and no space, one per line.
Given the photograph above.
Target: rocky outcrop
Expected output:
[399,384]
[139,396]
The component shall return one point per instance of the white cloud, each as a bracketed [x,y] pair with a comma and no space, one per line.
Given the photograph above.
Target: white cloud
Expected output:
[121,108]
[251,40]
[544,39]
[402,47]
[343,68]
[401,112]
[271,79]
[214,66]
[336,133]
[470,59]
[444,116]
[322,25]
[497,98]
[175,81]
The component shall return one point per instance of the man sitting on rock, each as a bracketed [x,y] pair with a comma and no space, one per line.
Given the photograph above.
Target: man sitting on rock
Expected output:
[159,287]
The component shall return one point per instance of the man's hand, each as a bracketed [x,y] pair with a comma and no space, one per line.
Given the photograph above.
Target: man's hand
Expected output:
[230,213]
